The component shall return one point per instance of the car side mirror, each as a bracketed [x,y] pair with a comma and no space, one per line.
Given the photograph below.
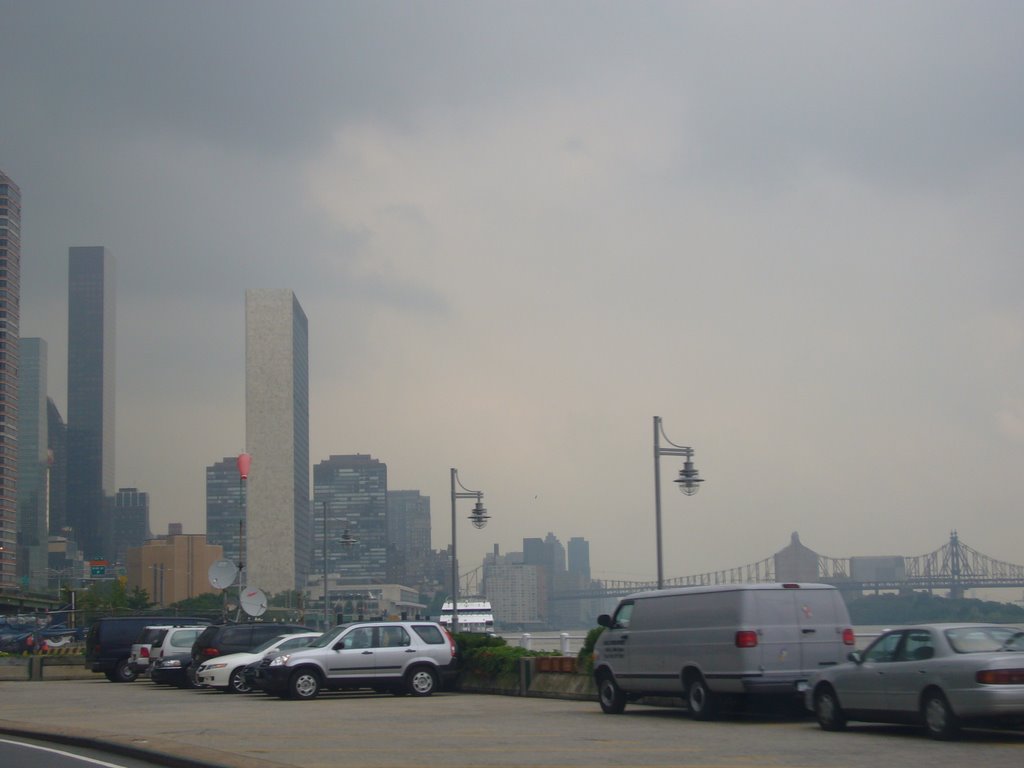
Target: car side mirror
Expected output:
[855,657]
[604,620]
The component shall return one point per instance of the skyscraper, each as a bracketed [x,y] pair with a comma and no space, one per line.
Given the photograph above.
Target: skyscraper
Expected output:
[130,521]
[90,397]
[33,522]
[225,513]
[354,492]
[10,315]
[277,437]
[409,536]
[57,439]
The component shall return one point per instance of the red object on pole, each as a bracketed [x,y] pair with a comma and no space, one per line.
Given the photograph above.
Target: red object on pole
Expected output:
[244,460]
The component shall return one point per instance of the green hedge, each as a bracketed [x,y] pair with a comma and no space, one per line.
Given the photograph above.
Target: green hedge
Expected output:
[490,655]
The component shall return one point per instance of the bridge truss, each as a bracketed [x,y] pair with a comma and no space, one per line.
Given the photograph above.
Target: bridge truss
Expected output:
[954,566]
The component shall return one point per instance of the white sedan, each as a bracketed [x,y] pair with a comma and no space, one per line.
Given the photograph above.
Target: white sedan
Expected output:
[227,672]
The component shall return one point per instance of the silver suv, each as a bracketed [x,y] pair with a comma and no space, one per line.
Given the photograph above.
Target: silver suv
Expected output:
[398,656]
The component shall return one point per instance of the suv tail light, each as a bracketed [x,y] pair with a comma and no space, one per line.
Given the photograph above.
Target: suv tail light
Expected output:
[848,637]
[746,638]
[144,652]
[451,640]
[210,652]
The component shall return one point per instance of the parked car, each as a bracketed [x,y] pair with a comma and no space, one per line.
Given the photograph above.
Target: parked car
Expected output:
[172,669]
[941,676]
[108,644]
[172,654]
[400,656]
[139,661]
[222,639]
[705,643]
[227,673]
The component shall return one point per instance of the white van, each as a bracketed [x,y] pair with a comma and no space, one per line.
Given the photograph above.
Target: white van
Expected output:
[702,643]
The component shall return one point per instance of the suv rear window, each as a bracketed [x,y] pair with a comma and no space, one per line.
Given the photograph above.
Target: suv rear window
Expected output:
[151,635]
[429,634]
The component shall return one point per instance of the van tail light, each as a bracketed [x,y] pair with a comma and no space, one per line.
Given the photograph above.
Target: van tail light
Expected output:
[1000,676]
[144,652]
[746,638]
[848,637]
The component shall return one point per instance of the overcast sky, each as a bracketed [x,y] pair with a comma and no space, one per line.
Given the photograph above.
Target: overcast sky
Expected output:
[521,230]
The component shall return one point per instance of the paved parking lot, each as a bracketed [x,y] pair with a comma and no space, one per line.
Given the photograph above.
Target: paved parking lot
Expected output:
[457,730]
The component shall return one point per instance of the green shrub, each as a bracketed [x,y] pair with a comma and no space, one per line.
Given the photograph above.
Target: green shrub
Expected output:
[491,656]
[585,658]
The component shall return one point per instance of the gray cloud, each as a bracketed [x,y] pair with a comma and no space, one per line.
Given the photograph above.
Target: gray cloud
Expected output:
[519,231]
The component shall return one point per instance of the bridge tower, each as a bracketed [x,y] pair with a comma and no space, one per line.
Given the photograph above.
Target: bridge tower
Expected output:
[956,590]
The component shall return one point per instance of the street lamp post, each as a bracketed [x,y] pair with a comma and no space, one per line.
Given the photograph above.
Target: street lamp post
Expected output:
[689,482]
[479,517]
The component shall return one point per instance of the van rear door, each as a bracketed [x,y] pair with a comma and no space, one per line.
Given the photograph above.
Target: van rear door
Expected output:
[821,627]
[777,635]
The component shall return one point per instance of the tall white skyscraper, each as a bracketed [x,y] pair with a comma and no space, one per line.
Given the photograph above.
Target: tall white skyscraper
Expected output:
[277,437]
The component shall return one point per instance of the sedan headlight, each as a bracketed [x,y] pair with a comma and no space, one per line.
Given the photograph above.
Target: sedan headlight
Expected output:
[207,667]
[280,661]
[171,663]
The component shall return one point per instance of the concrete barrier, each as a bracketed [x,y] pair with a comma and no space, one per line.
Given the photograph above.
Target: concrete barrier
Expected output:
[44,667]
[551,677]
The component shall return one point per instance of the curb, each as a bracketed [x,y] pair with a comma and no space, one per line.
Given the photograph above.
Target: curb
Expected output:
[157,751]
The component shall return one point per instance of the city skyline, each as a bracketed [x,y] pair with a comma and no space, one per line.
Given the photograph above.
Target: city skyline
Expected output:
[516,245]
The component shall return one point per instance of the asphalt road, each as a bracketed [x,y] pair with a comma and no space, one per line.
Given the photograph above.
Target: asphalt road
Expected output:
[455,730]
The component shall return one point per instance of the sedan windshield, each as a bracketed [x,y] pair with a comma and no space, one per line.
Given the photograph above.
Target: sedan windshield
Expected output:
[269,644]
[985,639]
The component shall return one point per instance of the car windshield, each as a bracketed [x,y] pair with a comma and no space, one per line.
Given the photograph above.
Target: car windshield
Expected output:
[269,644]
[327,638]
[985,639]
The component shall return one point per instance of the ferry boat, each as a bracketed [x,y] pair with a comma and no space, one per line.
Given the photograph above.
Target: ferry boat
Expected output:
[475,615]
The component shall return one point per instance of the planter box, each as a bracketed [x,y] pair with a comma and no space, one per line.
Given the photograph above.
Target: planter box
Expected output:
[557,664]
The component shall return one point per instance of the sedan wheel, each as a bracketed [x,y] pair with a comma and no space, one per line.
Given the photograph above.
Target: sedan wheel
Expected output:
[939,721]
[236,683]
[826,708]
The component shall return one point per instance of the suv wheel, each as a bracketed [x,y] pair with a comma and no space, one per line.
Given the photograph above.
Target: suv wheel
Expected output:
[305,684]
[421,681]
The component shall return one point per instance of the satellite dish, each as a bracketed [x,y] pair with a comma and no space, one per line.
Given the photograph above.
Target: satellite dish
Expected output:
[222,574]
[253,601]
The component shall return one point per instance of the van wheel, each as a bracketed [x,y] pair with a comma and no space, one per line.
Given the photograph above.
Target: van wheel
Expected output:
[123,673]
[305,684]
[613,699]
[702,702]
[827,710]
